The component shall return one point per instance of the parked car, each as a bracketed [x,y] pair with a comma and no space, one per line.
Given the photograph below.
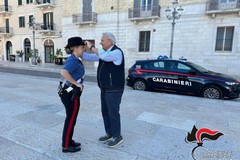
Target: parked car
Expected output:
[182,76]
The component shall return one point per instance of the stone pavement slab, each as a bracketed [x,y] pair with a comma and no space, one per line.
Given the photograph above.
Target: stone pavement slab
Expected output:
[154,124]
[179,123]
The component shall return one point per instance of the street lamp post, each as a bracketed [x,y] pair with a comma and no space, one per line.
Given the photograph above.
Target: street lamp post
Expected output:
[174,15]
[33,25]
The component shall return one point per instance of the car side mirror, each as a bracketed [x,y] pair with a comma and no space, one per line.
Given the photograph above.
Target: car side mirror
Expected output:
[192,72]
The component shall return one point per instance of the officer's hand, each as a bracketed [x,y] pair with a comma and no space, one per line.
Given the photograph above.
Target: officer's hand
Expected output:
[80,86]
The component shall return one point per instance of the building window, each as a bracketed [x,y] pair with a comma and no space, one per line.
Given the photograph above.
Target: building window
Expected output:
[46,1]
[19,2]
[29,1]
[226,1]
[224,40]
[227,4]
[146,5]
[7,25]
[21,22]
[47,21]
[30,20]
[144,41]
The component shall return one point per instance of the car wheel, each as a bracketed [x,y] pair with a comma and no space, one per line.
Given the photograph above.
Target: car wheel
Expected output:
[140,85]
[212,92]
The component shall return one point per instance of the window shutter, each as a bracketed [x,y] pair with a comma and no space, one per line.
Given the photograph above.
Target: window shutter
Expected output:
[7,25]
[44,26]
[155,8]
[44,17]
[213,5]
[51,20]
[6,5]
[136,8]
[219,39]
[155,2]
[87,10]
[23,23]
[19,21]
[30,20]
[238,3]
[19,2]
[87,6]
[6,2]
[228,39]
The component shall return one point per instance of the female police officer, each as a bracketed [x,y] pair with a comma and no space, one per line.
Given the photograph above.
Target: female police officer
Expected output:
[72,79]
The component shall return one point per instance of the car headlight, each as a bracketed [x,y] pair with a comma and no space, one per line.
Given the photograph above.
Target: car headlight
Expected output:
[231,83]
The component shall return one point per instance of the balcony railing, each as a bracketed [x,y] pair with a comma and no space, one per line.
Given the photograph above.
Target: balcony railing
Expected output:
[45,28]
[216,6]
[6,31]
[45,3]
[5,9]
[150,12]
[85,18]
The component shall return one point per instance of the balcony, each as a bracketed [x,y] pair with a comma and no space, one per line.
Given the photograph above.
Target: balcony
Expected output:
[5,10]
[45,4]
[85,18]
[218,6]
[46,28]
[6,31]
[144,13]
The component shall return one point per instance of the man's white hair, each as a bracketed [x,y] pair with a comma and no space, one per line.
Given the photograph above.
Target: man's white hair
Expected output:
[110,36]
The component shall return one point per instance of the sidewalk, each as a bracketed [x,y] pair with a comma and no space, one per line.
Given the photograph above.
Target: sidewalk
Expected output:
[50,67]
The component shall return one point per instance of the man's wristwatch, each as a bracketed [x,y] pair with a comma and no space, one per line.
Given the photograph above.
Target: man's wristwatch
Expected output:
[92,47]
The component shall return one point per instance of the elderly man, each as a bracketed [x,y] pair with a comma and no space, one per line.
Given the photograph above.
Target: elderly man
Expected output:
[111,79]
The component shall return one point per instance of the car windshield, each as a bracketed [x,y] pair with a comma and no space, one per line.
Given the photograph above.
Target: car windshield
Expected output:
[197,67]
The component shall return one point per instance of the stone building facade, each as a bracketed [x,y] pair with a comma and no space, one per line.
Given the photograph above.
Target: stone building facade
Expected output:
[16,29]
[207,33]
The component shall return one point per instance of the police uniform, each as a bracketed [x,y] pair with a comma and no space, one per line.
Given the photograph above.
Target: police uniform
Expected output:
[70,97]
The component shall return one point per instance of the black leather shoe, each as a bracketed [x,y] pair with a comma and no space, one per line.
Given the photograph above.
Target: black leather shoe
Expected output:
[71,149]
[75,144]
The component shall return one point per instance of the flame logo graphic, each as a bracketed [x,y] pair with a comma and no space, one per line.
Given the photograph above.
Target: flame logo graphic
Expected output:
[199,135]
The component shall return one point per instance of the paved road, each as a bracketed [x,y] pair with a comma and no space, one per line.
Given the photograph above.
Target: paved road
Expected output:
[154,125]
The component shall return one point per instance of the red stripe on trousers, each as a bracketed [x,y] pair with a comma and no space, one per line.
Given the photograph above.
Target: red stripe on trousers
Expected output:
[71,122]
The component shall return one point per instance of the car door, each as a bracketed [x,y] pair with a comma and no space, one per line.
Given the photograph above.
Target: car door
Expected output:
[158,75]
[179,76]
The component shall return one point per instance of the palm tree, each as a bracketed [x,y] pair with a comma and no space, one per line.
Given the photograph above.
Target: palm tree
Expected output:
[20,54]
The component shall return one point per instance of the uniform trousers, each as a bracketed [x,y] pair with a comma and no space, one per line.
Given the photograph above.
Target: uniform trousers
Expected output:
[110,106]
[72,109]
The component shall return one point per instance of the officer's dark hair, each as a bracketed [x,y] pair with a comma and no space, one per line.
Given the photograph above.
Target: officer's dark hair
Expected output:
[68,50]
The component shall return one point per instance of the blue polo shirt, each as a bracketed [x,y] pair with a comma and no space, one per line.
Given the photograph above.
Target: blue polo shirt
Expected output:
[75,68]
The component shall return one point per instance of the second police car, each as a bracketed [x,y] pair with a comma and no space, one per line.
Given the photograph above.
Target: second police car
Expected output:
[183,77]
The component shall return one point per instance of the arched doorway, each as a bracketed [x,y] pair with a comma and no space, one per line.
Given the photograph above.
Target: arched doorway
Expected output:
[27,48]
[8,49]
[49,51]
